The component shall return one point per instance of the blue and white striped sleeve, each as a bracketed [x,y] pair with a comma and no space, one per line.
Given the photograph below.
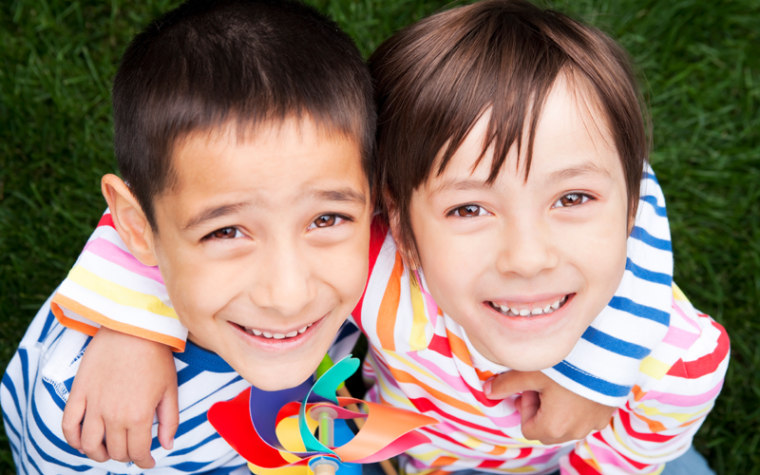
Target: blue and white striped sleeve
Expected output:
[604,364]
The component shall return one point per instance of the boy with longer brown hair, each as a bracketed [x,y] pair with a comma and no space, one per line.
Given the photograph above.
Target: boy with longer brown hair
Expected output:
[516,208]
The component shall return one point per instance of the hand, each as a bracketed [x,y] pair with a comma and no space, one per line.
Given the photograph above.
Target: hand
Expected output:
[121,383]
[550,413]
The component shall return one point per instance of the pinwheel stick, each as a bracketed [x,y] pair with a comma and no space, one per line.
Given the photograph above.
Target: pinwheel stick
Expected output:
[325,465]
[385,465]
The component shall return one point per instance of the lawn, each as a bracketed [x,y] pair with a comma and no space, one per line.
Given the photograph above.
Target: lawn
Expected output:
[700,68]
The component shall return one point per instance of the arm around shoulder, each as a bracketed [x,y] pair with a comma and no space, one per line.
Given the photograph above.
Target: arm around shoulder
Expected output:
[678,385]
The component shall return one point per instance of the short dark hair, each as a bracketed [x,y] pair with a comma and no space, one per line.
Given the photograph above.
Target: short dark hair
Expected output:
[435,78]
[208,63]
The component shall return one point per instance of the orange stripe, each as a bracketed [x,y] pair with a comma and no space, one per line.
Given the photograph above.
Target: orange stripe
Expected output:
[459,348]
[654,426]
[176,344]
[443,461]
[386,317]
[637,393]
[404,377]
[498,450]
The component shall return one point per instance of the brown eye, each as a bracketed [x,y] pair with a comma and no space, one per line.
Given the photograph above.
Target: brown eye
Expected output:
[224,233]
[571,199]
[467,211]
[328,221]
[325,220]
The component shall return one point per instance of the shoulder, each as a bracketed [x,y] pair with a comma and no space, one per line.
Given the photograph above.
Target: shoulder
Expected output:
[704,343]
[693,356]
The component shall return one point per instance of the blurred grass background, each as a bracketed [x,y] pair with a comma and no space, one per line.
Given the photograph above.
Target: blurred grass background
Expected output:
[700,62]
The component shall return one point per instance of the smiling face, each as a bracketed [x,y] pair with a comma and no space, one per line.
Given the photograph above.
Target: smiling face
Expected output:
[262,242]
[525,265]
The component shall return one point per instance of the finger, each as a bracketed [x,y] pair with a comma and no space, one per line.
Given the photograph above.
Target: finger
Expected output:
[513,382]
[529,405]
[168,418]
[71,424]
[93,432]
[138,446]
[116,442]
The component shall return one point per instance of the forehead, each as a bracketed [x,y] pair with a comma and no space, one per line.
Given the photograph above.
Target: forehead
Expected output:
[571,132]
[279,161]
[269,145]
[570,122]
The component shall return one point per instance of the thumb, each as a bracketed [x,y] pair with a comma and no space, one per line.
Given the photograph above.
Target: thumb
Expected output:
[167,412]
[513,382]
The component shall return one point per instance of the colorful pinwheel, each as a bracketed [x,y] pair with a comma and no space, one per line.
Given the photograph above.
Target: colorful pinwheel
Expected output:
[276,429]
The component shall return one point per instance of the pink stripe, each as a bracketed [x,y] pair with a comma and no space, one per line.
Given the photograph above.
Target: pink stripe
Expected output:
[685,401]
[685,317]
[114,254]
[510,420]
[451,381]
[680,338]
[606,456]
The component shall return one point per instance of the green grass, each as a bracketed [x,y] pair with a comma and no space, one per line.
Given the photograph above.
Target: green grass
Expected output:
[701,71]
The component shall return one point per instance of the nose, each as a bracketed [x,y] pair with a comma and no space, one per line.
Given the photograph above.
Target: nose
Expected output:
[526,249]
[283,281]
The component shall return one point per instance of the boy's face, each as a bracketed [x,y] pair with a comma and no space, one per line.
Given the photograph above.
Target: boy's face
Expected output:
[525,265]
[263,242]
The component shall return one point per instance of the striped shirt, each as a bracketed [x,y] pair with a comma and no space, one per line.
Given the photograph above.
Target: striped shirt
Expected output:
[38,379]
[422,360]
[37,382]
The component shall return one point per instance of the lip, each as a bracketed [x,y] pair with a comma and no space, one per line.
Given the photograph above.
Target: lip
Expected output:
[277,344]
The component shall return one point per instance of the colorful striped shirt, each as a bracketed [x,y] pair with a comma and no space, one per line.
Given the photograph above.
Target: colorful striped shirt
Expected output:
[422,360]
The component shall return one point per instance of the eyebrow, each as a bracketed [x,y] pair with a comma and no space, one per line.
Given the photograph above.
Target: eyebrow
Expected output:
[585,168]
[460,185]
[348,195]
[213,213]
[342,195]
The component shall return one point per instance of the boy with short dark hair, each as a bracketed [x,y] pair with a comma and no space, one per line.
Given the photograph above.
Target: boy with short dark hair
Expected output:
[243,133]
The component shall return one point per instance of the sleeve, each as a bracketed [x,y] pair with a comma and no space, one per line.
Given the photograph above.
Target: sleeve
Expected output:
[108,286]
[604,364]
[34,391]
[679,383]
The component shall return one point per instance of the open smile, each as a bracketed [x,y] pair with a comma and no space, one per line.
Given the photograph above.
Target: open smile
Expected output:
[276,336]
[530,309]
[269,334]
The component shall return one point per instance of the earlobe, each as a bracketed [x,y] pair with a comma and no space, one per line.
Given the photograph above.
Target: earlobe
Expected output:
[129,219]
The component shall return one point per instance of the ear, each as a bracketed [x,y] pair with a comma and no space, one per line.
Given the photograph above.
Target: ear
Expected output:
[406,249]
[129,219]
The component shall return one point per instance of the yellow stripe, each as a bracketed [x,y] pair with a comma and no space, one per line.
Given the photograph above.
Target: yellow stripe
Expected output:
[653,367]
[413,368]
[417,338]
[678,416]
[678,294]
[120,294]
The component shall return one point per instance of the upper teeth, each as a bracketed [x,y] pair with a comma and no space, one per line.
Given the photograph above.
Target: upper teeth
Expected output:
[525,312]
[277,336]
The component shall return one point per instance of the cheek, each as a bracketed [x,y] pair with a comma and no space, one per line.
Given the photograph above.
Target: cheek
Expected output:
[345,270]
[195,288]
